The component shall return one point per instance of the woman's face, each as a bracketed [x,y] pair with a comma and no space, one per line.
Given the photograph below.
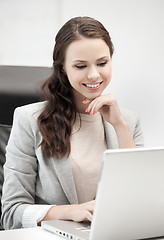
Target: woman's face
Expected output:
[88,67]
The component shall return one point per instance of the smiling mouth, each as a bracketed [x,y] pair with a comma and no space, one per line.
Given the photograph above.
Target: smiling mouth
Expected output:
[92,86]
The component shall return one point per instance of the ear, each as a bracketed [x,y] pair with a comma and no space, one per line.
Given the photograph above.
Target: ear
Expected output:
[62,69]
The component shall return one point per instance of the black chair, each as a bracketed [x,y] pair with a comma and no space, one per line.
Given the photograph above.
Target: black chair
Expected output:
[19,85]
[4,136]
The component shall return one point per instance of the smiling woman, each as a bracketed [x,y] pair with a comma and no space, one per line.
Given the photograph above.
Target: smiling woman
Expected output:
[55,149]
[88,68]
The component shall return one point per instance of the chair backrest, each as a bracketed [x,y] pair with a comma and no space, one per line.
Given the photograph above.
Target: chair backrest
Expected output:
[19,86]
[4,136]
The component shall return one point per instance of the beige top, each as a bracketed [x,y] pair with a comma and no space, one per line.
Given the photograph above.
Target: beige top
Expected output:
[87,146]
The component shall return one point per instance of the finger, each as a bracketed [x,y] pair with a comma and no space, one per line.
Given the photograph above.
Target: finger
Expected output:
[91,107]
[98,103]
[90,208]
[94,107]
[86,101]
[89,216]
[98,106]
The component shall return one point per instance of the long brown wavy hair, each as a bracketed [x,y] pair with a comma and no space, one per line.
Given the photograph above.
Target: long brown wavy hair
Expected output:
[59,114]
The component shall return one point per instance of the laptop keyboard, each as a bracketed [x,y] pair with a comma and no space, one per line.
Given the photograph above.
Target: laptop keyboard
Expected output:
[85,228]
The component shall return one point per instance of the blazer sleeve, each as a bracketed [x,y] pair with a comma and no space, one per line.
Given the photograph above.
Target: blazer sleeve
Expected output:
[138,133]
[133,121]
[20,173]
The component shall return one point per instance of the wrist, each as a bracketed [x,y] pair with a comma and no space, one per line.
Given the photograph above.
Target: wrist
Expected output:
[67,212]
[122,124]
[125,139]
[62,212]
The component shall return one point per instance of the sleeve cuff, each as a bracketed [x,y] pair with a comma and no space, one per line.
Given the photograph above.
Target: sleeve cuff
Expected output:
[34,214]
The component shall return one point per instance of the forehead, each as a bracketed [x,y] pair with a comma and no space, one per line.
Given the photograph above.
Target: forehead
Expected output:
[85,48]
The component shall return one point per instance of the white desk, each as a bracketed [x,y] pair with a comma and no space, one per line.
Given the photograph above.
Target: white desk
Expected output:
[28,234]
[36,233]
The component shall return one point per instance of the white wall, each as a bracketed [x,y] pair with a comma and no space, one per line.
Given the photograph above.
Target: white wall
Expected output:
[27,31]
[137,31]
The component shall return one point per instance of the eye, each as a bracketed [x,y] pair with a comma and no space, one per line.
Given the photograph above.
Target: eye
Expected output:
[102,64]
[80,66]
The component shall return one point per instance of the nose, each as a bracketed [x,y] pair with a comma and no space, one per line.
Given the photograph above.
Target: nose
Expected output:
[93,73]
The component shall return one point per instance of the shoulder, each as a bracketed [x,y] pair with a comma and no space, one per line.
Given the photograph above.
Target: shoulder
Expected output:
[25,117]
[30,111]
[25,124]
[33,108]
[133,120]
[130,116]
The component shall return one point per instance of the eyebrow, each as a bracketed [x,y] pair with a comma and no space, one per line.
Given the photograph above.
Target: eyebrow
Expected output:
[99,59]
[102,58]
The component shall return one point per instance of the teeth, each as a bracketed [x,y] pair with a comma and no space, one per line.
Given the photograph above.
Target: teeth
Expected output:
[93,85]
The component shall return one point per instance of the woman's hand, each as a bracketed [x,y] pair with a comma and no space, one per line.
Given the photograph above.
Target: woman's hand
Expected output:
[81,212]
[74,212]
[107,106]
[109,109]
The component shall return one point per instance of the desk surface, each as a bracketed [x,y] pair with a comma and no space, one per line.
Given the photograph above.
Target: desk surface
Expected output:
[28,234]
[31,234]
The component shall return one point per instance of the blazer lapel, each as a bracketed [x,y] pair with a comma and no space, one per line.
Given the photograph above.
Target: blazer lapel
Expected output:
[64,172]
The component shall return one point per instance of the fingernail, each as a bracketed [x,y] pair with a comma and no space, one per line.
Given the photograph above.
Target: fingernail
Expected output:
[90,114]
[84,101]
[87,110]
[94,111]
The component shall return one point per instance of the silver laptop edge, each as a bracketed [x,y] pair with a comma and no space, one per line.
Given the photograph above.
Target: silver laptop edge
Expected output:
[130,197]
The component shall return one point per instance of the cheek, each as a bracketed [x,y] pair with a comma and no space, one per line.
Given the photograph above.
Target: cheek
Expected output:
[70,75]
[75,77]
[106,75]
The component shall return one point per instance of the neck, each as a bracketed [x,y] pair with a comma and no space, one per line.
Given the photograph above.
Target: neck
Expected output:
[81,107]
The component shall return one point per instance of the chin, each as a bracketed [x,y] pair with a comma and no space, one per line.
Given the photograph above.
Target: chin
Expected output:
[93,96]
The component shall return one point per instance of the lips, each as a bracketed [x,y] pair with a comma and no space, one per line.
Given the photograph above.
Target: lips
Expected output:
[92,86]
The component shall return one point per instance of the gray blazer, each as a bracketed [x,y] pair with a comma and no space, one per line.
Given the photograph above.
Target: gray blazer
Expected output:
[32,179]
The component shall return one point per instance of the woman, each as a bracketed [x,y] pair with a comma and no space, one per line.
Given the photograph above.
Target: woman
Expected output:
[55,148]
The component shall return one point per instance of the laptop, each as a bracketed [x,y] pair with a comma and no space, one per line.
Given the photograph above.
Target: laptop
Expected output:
[129,201]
